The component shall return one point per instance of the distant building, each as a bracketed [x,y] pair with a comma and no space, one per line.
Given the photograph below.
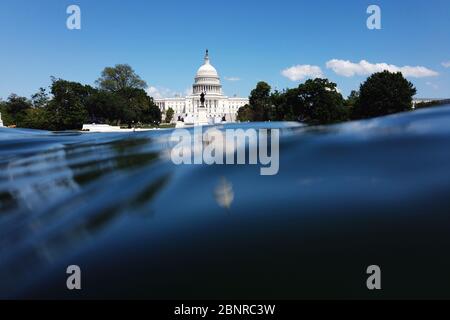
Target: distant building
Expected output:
[433,101]
[218,105]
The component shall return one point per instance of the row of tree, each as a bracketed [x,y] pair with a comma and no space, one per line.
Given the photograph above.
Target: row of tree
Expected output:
[319,102]
[118,99]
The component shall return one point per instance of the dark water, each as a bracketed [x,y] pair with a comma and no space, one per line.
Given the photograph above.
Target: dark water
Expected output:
[346,197]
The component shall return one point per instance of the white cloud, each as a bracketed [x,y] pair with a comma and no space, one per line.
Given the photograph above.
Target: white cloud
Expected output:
[446,64]
[349,69]
[300,72]
[232,79]
[161,92]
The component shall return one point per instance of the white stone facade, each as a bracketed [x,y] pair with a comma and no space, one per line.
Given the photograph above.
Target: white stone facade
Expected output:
[218,105]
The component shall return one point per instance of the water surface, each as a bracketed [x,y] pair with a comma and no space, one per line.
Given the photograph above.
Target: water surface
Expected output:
[346,197]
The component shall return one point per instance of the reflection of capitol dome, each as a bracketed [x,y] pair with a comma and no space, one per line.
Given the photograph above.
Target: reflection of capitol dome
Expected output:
[207,79]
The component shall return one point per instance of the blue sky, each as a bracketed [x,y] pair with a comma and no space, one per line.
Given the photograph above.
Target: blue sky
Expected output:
[252,40]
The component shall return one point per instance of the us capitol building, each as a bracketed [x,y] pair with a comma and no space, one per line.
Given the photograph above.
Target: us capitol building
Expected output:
[218,106]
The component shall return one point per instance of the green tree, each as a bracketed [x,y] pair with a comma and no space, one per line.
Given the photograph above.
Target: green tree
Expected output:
[288,105]
[352,99]
[122,99]
[120,77]
[260,102]
[105,107]
[384,93]
[169,115]
[40,99]
[317,102]
[245,114]
[153,115]
[68,109]
[37,118]
[280,109]
[139,107]
[15,109]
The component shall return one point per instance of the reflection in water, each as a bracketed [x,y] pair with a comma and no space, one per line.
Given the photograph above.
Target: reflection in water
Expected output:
[46,198]
[375,190]
[224,193]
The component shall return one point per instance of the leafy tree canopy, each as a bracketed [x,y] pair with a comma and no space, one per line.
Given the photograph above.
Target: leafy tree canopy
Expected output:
[384,93]
[315,102]
[260,101]
[245,114]
[67,108]
[40,98]
[352,99]
[120,77]
[169,115]
[318,102]
[15,109]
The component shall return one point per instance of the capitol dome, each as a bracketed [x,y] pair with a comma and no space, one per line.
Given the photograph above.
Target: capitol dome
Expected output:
[207,70]
[207,79]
